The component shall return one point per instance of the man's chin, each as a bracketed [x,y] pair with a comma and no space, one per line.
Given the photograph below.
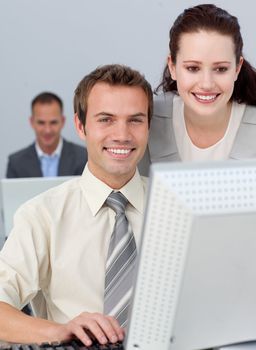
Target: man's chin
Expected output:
[48,143]
[121,171]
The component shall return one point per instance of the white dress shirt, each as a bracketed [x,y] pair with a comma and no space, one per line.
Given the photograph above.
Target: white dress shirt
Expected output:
[56,152]
[49,162]
[59,245]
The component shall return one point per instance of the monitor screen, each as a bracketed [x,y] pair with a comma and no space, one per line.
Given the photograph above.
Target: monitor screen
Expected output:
[15,192]
[196,278]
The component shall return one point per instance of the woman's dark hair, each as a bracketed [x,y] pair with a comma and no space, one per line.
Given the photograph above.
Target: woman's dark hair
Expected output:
[209,17]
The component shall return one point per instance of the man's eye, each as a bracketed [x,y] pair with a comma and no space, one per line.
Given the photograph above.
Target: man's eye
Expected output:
[136,120]
[104,120]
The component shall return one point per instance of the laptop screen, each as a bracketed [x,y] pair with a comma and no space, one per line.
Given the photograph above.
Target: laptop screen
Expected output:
[15,192]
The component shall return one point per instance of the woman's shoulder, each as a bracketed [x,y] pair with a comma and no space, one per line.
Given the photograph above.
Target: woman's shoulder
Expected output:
[163,103]
[249,115]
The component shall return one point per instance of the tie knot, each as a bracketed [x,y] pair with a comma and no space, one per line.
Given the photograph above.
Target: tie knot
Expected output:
[117,202]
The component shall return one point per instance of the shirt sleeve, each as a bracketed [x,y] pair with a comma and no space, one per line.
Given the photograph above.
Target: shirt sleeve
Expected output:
[24,259]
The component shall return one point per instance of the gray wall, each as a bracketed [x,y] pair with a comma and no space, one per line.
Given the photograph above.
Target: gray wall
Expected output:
[52,44]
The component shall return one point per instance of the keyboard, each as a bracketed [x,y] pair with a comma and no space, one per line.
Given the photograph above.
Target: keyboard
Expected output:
[72,345]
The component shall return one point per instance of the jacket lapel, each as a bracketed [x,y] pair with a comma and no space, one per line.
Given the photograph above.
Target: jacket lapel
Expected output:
[244,146]
[162,143]
[33,162]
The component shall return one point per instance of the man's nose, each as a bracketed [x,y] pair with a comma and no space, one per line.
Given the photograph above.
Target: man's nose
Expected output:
[47,128]
[121,132]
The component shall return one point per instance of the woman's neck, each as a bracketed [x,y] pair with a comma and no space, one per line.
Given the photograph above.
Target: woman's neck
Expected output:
[205,131]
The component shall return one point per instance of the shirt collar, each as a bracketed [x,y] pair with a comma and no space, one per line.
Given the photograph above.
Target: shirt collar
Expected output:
[56,152]
[96,191]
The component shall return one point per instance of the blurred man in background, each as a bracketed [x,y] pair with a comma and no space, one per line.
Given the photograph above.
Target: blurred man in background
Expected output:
[50,154]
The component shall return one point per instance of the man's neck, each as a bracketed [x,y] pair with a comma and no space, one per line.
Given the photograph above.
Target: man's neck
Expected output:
[48,149]
[114,181]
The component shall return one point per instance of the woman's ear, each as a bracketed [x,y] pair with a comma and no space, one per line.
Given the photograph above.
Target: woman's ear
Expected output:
[172,67]
[239,66]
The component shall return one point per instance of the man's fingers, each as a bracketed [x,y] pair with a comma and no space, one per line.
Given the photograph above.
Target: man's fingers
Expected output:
[80,333]
[88,326]
[118,330]
[106,325]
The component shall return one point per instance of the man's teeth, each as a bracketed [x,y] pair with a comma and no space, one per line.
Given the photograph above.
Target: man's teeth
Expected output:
[119,151]
[206,98]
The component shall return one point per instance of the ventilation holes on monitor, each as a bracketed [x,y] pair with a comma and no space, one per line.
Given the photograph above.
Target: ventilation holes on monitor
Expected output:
[168,262]
[216,191]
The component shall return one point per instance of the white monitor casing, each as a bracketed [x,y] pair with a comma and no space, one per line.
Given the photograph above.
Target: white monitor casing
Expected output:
[196,281]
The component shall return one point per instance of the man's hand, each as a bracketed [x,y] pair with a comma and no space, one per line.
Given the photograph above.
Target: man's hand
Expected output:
[87,326]
[22,328]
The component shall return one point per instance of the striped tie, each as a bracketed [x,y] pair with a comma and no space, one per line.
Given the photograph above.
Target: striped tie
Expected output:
[120,262]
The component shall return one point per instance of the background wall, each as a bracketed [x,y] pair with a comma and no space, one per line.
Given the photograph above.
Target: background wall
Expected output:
[52,44]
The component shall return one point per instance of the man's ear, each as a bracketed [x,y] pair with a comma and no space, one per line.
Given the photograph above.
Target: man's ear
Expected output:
[79,127]
[63,120]
[31,121]
[171,66]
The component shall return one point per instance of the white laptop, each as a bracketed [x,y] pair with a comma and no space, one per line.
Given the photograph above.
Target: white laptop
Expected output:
[15,192]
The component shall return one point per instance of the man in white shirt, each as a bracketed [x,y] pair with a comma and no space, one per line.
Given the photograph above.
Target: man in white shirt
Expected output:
[55,256]
[50,154]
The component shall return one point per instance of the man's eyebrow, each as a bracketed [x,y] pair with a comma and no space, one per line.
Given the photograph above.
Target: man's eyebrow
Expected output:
[139,114]
[104,113]
[45,121]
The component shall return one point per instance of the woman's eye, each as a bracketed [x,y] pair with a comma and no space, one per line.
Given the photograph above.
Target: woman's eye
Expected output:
[193,69]
[221,69]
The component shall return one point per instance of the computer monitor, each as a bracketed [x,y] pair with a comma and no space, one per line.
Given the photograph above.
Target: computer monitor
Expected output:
[15,192]
[196,280]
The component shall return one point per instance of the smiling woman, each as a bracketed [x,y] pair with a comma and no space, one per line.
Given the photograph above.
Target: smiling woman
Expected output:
[206,108]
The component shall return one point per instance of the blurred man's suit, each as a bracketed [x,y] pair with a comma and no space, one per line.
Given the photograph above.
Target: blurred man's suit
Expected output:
[25,163]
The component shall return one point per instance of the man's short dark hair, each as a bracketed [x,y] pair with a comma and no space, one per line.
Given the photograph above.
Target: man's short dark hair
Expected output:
[114,75]
[46,97]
